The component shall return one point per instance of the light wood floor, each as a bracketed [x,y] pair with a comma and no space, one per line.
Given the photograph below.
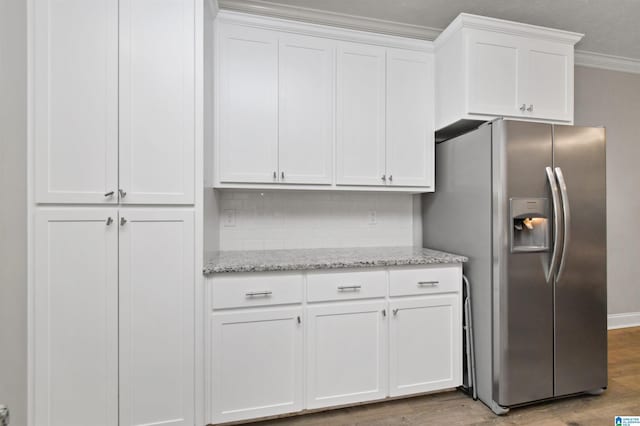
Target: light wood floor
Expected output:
[455,408]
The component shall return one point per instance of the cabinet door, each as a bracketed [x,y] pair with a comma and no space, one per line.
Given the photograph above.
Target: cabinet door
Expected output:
[256,364]
[156,317]
[494,76]
[306,109]
[76,318]
[548,85]
[425,342]
[76,100]
[248,104]
[346,353]
[360,114]
[157,101]
[410,115]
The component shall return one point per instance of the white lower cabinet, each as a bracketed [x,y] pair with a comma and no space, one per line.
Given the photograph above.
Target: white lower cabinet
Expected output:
[76,318]
[425,344]
[114,317]
[157,289]
[353,336]
[256,363]
[346,353]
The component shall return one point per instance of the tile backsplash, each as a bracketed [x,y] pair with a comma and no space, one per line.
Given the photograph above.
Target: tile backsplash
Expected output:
[255,220]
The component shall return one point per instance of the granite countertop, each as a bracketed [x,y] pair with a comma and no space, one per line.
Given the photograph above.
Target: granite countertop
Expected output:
[325,258]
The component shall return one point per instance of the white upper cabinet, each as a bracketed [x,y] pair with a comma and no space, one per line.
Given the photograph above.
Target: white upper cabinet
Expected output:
[495,65]
[306,105]
[549,84]
[410,129]
[248,104]
[114,95]
[76,101]
[157,101]
[360,114]
[488,67]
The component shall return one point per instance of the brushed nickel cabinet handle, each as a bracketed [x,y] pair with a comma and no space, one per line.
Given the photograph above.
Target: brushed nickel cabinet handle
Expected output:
[523,107]
[395,311]
[122,221]
[109,221]
[384,178]
[349,287]
[530,109]
[109,194]
[122,193]
[259,293]
[428,283]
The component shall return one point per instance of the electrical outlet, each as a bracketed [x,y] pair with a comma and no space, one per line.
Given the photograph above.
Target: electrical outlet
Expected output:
[372,217]
[229,218]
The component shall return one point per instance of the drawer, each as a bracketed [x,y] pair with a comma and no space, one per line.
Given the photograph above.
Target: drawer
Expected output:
[255,289]
[325,286]
[415,281]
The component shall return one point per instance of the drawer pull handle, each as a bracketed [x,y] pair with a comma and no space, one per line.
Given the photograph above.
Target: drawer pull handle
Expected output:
[428,283]
[349,287]
[395,311]
[259,293]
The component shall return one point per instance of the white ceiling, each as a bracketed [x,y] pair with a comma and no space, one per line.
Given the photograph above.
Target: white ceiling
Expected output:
[610,26]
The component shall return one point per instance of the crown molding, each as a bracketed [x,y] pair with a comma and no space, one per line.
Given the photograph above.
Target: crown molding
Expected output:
[319,30]
[466,20]
[322,17]
[607,62]
[380,26]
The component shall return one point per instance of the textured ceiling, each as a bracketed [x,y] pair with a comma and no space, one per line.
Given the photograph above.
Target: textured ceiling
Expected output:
[610,26]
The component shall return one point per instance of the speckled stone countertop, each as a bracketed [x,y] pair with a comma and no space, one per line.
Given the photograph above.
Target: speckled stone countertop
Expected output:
[326,258]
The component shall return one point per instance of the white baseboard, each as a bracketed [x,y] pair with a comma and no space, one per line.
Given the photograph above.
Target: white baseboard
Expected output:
[629,319]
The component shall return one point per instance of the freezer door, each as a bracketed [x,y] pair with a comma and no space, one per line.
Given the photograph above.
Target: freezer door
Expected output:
[523,299]
[581,283]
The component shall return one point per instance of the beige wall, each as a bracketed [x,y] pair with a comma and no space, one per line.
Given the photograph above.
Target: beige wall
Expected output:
[13,209]
[612,99]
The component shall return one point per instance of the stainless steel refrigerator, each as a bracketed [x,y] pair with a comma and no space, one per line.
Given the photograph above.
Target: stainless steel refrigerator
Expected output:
[526,203]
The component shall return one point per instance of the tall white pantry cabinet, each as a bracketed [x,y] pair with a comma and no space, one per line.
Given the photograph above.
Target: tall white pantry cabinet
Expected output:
[115,121]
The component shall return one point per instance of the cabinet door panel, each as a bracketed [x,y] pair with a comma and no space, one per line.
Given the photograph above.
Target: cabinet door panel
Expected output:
[248,104]
[494,74]
[256,364]
[410,115]
[306,107]
[346,353]
[156,317]
[425,344]
[360,114]
[157,101]
[76,100]
[549,81]
[76,318]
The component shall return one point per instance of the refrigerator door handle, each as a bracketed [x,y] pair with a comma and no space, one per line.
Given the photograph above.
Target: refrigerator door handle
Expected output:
[556,222]
[567,219]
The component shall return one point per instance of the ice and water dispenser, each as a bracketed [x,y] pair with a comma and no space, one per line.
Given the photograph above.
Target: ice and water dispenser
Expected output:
[529,219]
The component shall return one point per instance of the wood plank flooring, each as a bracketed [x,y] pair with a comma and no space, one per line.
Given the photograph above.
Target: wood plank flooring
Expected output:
[455,408]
